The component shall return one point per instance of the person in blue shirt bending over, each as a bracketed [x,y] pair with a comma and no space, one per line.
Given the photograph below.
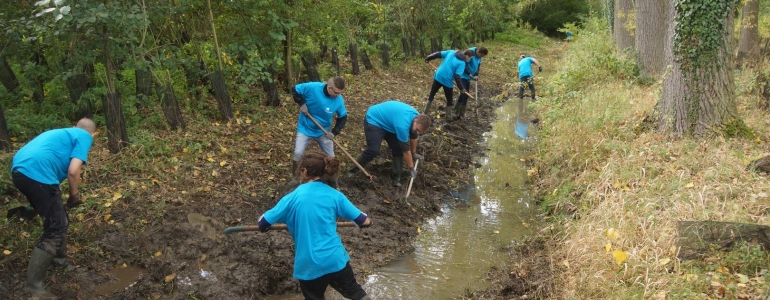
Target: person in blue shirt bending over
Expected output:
[310,213]
[322,101]
[473,74]
[37,170]
[452,66]
[399,124]
[525,75]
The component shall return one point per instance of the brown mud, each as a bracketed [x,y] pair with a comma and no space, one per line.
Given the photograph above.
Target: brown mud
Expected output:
[149,227]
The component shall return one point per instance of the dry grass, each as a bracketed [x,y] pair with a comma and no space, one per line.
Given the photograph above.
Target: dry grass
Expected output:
[599,165]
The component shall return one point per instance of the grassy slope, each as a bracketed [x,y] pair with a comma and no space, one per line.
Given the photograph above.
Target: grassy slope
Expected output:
[596,164]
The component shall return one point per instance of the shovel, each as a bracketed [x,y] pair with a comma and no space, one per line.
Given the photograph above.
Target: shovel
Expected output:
[235,229]
[476,90]
[409,190]
[24,212]
[340,146]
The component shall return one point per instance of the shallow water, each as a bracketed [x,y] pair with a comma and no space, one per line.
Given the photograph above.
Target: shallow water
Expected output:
[454,251]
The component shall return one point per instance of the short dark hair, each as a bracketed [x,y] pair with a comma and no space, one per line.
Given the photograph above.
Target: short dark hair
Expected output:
[482,50]
[423,120]
[469,52]
[338,82]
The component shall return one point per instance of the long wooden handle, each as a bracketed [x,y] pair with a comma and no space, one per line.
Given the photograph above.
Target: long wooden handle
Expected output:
[235,229]
[340,146]
[408,190]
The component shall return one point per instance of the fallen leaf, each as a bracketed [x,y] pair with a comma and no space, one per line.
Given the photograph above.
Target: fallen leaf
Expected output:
[690,185]
[158,254]
[7,252]
[419,230]
[608,247]
[170,277]
[611,233]
[664,261]
[222,163]
[116,196]
[565,263]
[742,278]
[107,217]
[620,256]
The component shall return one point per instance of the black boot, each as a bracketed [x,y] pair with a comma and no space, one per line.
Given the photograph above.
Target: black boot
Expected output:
[427,107]
[398,164]
[60,259]
[448,113]
[38,264]
[460,111]
[361,161]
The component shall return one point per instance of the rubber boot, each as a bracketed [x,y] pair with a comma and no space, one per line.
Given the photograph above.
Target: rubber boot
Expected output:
[457,109]
[60,259]
[460,111]
[38,264]
[448,113]
[427,107]
[355,169]
[533,97]
[398,164]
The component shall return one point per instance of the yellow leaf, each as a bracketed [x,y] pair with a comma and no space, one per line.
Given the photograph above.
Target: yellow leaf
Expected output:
[223,149]
[608,247]
[611,233]
[222,163]
[386,201]
[124,265]
[13,139]
[132,183]
[108,204]
[210,159]
[620,256]
[185,150]
[107,217]
[204,257]
[742,278]
[419,230]
[690,277]
[80,217]
[214,173]
[7,252]
[690,185]
[616,185]
[158,254]
[664,261]
[565,263]
[170,277]
[117,196]
[497,231]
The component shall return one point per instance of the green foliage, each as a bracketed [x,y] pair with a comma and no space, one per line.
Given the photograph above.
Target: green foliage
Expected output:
[550,15]
[522,36]
[700,30]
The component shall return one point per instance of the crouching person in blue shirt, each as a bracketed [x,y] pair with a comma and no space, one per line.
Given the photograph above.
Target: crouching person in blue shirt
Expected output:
[310,213]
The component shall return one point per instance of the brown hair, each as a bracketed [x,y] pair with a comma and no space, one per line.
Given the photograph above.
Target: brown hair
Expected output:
[318,164]
[469,53]
[482,50]
[337,82]
[424,120]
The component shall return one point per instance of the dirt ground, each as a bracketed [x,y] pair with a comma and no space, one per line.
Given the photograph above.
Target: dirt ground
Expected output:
[173,251]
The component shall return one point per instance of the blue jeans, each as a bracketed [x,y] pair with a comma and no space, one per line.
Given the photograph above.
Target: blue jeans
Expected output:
[327,145]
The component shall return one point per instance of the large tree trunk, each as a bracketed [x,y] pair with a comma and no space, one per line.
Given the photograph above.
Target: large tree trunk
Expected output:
[144,83]
[77,85]
[336,60]
[385,55]
[170,106]
[623,37]
[7,77]
[117,136]
[699,99]
[270,90]
[748,43]
[651,37]
[38,93]
[288,62]
[353,49]
[310,66]
[365,59]
[223,98]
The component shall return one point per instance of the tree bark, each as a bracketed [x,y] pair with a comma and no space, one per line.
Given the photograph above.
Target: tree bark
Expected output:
[749,40]
[7,77]
[623,37]
[77,85]
[289,71]
[308,60]
[353,49]
[434,45]
[170,106]
[270,90]
[223,98]
[336,60]
[651,37]
[365,59]
[700,100]
[413,46]
[117,136]
[5,140]
[144,84]
[38,92]
[405,46]
[385,55]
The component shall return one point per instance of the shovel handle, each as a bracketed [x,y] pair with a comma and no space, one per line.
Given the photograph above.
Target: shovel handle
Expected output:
[453,85]
[409,190]
[340,146]
[235,229]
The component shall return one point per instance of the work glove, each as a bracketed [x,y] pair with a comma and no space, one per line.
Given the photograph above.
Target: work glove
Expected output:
[475,77]
[329,135]
[73,201]
[303,108]
[413,171]
[416,156]
[427,60]
[540,68]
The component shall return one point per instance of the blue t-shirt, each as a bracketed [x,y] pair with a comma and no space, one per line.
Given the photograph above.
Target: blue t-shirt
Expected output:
[321,107]
[473,65]
[450,65]
[310,213]
[525,67]
[393,116]
[46,158]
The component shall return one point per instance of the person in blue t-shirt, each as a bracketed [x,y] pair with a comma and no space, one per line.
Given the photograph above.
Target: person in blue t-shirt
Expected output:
[322,101]
[473,74]
[399,124]
[525,75]
[453,65]
[37,170]
[310,213]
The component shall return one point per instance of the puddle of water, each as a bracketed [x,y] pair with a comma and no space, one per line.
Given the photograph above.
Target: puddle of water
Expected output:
[454,251]
[120,278]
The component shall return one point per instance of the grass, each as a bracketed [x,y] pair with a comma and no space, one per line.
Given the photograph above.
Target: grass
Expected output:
[599,171]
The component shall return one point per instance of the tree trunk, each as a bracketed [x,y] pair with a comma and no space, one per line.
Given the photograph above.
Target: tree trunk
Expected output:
[143,85]
[433,45]
[413,46]
[439,43]
[749,40]
[5,140]
[289,72]
[270,90]
[195,75]
[405,46]
[7,77]
[700,99]
[423,53]
[365,59]
[38,93]
[310,66]
[353,49]
[651,37]
[385,55]
[336,60]
[170,106]
[117,136]
[223,98]
[623,37]
[77,85]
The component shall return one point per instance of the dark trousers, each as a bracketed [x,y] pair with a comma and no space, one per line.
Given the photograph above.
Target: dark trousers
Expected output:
[374,136]
[447,92]
[343,281]
[527,80]
[46,200]
[463,98]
